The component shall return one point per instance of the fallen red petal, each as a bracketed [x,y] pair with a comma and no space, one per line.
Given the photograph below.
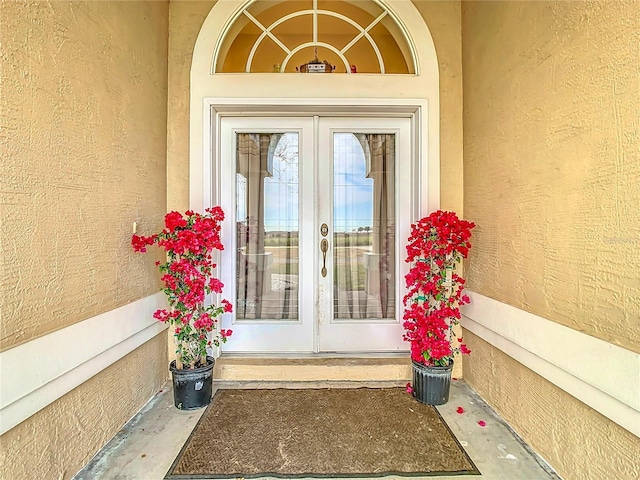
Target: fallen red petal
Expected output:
[460,410]
[482,423]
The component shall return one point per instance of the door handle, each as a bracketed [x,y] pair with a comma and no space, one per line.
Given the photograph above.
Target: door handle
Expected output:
[324,246]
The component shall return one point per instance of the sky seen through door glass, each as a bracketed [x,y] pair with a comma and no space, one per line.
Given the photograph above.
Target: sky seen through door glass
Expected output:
[352,196]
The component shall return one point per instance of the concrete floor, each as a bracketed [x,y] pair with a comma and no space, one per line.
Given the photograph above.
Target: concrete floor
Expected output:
[145,448]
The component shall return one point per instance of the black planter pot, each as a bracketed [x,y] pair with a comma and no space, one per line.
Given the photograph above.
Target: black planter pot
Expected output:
[192,388]
[431,384]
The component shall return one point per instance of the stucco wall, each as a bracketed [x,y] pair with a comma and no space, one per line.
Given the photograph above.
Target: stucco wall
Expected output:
[83,110]
[185,21]
[443,19]
[83,148]
[59,440]
[552,166]
[577,441]
[552,179]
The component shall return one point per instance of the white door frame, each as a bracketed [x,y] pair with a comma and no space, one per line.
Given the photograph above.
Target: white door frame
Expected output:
[373,334]
[315,330]
[213,95]
[204,188]
[204,177]
[264,335]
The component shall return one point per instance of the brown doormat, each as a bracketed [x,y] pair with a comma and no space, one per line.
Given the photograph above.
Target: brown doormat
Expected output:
[360,432]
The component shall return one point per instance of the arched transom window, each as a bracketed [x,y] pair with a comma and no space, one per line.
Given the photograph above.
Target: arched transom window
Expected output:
[350,36]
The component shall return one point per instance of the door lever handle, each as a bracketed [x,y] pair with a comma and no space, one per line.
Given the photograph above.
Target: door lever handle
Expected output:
[324,246]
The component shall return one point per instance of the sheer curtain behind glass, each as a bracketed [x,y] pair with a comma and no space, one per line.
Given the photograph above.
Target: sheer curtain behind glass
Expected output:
[267,226]
[364,226]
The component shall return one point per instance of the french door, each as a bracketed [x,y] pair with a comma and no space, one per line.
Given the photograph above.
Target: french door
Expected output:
[318,210]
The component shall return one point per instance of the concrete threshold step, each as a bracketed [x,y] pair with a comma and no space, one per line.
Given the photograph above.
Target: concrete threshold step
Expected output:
[332,369]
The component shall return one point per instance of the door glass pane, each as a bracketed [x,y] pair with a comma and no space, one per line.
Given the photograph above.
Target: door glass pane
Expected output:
[267,226]
[364,226]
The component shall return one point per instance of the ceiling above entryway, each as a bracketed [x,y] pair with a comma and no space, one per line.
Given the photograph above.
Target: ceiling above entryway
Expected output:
[280,36]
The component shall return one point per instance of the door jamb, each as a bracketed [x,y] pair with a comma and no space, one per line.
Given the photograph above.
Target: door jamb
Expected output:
[204,188]
[204,179]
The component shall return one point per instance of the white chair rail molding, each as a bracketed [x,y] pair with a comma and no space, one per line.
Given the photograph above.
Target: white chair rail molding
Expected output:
[64,359]
[571,360]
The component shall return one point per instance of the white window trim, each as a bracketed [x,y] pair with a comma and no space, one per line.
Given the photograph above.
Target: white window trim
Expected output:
[387,6]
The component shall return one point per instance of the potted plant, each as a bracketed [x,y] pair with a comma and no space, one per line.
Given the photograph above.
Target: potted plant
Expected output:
[189,241]
[435,248]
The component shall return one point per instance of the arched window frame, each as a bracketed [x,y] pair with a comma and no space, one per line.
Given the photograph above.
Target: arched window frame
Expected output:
[405,44]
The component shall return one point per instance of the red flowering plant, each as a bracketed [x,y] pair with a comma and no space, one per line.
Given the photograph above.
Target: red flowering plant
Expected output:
[436,246]
[188,275]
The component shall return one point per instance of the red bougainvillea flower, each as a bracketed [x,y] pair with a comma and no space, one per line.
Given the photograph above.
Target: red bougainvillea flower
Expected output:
[409,388]
[482,423]
[436,246]
[140,243]
[460,410]
[173,220]
[227,306]
[189,241]
[216,285]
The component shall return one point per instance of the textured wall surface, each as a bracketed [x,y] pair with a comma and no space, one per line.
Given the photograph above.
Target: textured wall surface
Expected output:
[552,160]
[185,21]
[443,19]
[83,114]
[552,179]
[577,441]
[59,440]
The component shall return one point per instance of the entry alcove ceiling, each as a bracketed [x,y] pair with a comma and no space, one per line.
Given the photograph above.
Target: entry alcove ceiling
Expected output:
[278,36]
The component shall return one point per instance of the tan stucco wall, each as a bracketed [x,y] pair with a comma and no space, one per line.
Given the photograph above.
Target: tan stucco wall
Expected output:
[577,441]
[185,21]
[83,114]
[443,19]
[59,440]
[83,109]
[552,179]
[551,160]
